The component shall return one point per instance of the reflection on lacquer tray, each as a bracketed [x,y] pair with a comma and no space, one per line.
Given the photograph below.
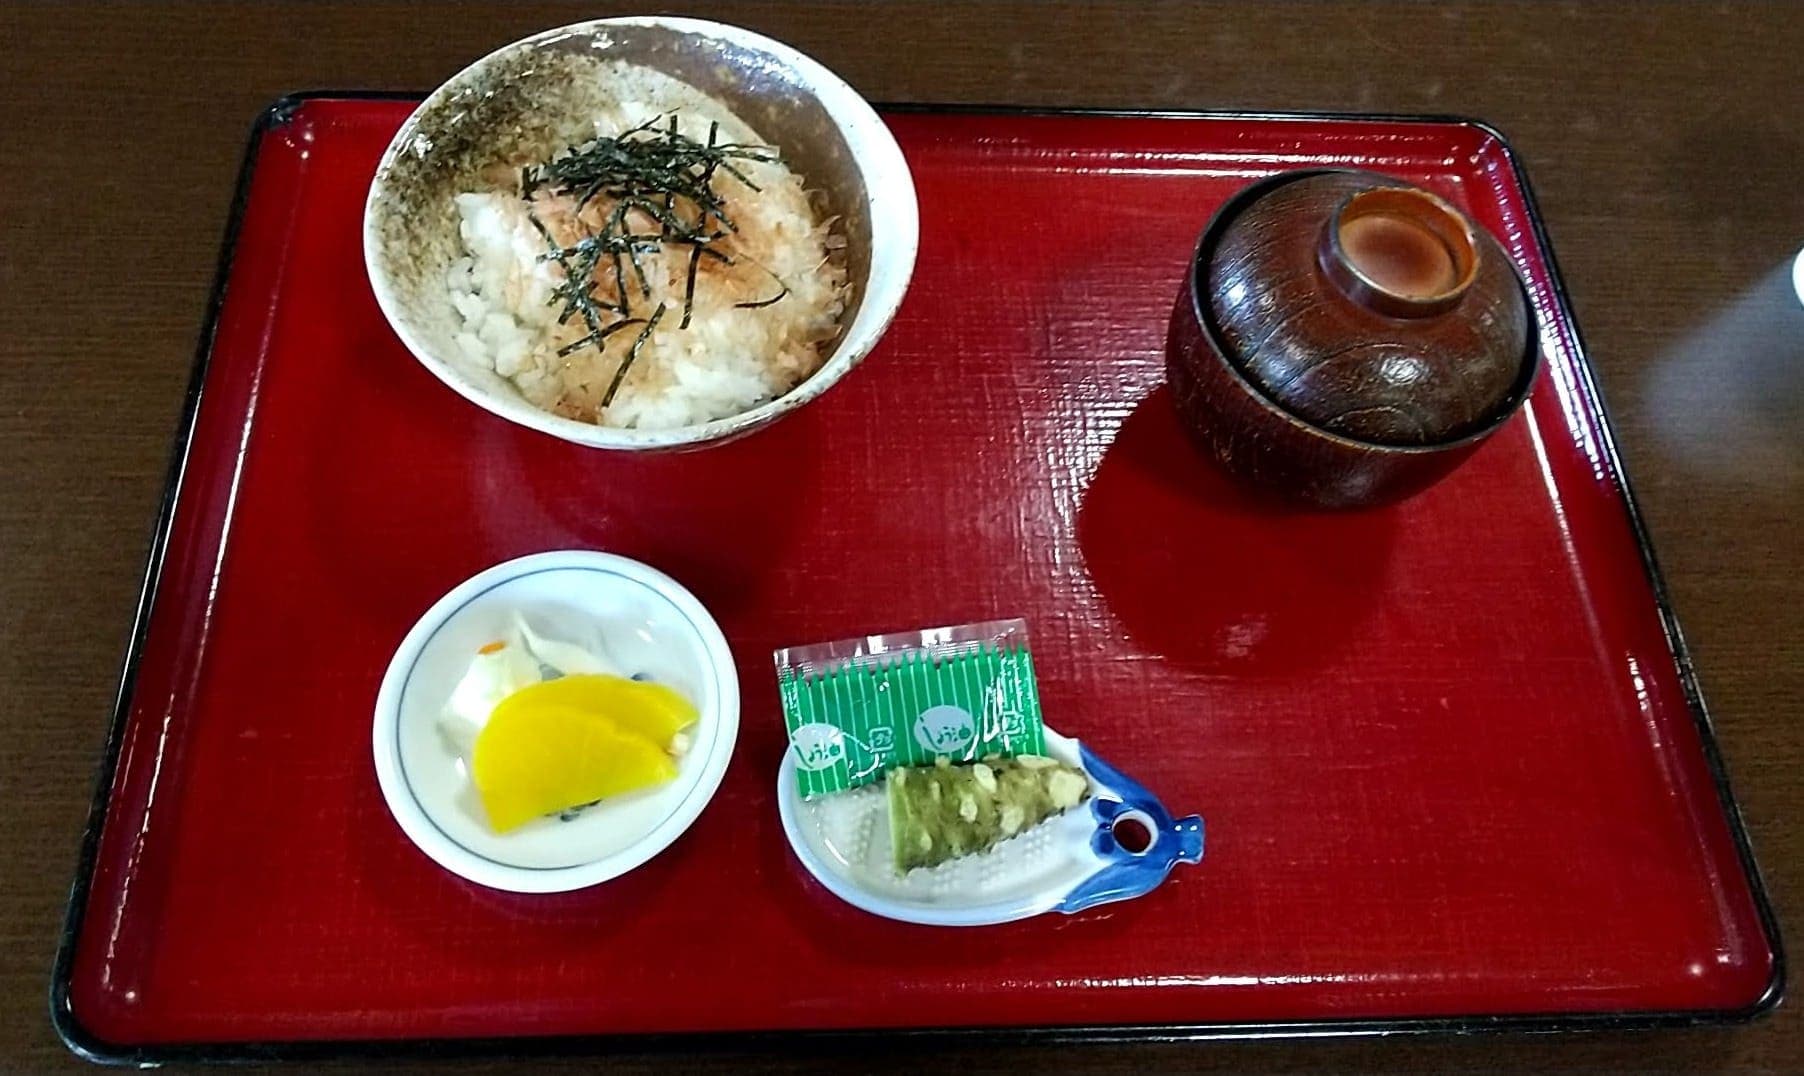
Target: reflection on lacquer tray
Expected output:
[1207,575]
[718,519]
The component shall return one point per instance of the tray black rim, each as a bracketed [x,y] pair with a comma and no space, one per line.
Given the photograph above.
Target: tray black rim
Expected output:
[85,1044]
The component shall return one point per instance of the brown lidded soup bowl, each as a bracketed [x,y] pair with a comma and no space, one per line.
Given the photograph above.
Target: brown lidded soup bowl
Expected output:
[1344,338]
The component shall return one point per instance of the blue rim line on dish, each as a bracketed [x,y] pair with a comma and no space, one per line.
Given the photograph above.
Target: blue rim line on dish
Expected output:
[407,682]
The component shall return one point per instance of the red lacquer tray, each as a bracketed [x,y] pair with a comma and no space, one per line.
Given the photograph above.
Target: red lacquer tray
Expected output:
[1455,769]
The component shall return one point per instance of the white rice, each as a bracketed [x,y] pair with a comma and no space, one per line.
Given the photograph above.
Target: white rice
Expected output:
[728,360]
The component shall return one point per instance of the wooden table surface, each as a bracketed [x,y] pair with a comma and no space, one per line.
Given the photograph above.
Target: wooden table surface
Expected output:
[1663,139]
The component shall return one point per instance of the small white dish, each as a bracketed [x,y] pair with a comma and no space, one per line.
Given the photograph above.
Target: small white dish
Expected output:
[1079,859]
[646,623]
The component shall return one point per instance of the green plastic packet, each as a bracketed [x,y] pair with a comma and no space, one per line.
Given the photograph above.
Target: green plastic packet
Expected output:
[858,707]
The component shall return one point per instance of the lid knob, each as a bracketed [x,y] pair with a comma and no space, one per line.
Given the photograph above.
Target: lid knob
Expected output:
[1399,251]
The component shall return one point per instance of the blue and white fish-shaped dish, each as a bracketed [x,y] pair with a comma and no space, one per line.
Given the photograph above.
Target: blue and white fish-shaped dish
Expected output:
[1118,844]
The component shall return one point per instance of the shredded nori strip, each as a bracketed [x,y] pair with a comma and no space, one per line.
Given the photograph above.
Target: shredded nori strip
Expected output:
[764,302]
[597,338]
[656,169]
[632,356]
[575,290]
[695,261]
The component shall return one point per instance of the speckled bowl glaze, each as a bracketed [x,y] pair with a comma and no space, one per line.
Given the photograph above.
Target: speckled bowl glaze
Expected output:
[1336,375]
[521,95]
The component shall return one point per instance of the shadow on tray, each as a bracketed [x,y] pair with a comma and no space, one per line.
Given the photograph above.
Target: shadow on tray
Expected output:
[1211,577]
